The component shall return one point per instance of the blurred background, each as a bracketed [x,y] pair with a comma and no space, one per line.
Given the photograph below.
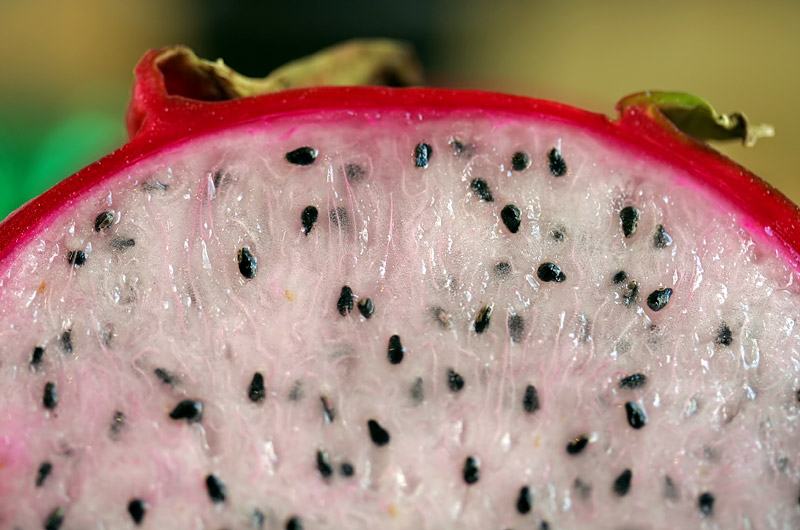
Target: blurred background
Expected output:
[67,64]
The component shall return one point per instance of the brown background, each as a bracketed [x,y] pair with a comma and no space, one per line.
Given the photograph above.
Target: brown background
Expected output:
[59,56]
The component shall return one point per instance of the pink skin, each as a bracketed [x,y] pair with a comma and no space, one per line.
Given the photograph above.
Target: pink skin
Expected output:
[158,118]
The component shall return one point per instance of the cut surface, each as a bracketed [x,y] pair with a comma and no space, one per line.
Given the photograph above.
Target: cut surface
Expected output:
[323,318]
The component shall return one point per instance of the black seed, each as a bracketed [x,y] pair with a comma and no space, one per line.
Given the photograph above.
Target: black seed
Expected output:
[442,317]
[366,307]
[377,433]
[324,464]
[117,423]
[36,356]
[422,155]
[661,239]
[103,221]
[54,519]
[165,377]
[576,445]
[633,381]
[45,468]
[256,391]
[338,217]
[524,500]
[724,335]
[328,411]
[454,380]
[620,277]
[502,269]
[556,162]
[622,484]
[630,220]
[511,217]
[308,217]
[346,469]
[659,298]
[257,519]
[66,341]
[550,272]
[557,234]
[636,417]
[50,399]
[294,523]
[345,303]
[630,294]
[107,334]
[248,264]
[189,410]
[530,400]
[670,489]
[154,185]
[520,161]
[460,148]
[396,350]
[544,526]
[584,489]
[481,189]
[516,327]
[483,319]
[217,179]
[706,503]
[137,508]
[76,258]
[417,390]
[216,489]
[354,172]
[296,393]
[471,470]
[303,156]
[122,243]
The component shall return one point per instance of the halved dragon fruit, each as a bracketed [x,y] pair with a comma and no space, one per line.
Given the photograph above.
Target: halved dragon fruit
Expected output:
[333,308]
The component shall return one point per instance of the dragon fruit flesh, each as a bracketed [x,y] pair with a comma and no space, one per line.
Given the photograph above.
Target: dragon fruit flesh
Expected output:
[336,308]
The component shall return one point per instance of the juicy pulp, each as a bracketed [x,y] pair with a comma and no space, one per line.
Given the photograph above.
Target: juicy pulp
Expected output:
[425,248]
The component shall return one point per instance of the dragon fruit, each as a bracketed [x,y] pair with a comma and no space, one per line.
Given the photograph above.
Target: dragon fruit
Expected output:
[365,307]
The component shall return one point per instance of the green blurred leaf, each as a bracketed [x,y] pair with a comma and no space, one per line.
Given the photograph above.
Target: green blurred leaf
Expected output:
[31,164]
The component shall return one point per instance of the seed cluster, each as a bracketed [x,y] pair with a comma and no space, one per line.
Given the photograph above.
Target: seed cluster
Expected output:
[190,411]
